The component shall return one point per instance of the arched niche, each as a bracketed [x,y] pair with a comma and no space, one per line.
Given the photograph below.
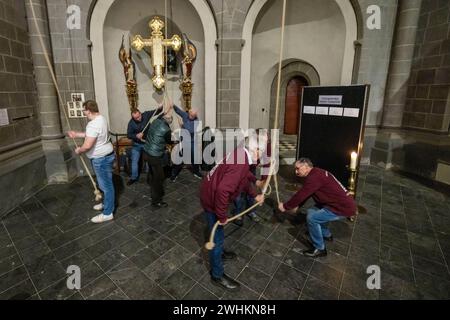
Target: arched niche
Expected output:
[321,32]
[111,18]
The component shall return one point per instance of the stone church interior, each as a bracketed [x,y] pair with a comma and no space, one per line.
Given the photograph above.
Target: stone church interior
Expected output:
[357,209]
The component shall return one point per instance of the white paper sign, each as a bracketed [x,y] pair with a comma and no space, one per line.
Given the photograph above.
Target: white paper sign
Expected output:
[4,120]
[351,112]
[336,111]
[333,100]
[322,110]
[309,109]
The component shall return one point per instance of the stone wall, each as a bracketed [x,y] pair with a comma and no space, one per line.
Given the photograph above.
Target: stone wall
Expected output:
[428,103]
[17,87]
[22,162]
[230,17]
[71,54]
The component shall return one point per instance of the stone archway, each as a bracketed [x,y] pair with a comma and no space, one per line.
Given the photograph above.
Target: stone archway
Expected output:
[288,71]
[352,18]
[98,14]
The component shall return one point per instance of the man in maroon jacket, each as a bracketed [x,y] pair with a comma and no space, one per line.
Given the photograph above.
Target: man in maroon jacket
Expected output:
[219,188]
[332,203]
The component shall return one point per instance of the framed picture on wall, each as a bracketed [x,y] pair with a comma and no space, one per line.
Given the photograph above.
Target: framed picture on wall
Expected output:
[77,97]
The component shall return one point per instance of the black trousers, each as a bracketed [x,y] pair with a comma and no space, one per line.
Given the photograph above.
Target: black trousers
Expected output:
[158,176]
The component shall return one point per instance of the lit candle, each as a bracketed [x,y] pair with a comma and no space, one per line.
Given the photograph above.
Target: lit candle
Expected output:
[353,158]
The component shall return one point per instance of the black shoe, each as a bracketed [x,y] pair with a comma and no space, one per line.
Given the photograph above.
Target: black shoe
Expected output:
[313,253]
[226,282]
[198,175]
[254,217]
[130,182]
[161,204]
[173,178]
[228,255]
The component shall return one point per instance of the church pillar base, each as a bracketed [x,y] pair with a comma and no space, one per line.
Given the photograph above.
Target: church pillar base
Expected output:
[385,150]
[60,166]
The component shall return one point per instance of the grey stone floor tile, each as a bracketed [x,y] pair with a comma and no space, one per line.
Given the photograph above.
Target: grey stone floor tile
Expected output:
[10,263]
[254,279]
[148,236]
[162,245]
[357,288]
[57,291]
[316,289]
[290,277]
[80,259]
[144,258]
[277,291]
[274,250]
[196,267]
[199,293]
[99,289]
[234,267]
[265,263]
[327,274]
[22,291]
[178,284]
[431,267]
[244,293]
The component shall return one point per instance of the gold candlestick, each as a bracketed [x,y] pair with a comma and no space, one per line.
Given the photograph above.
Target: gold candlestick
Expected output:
[352,192]
[352,182]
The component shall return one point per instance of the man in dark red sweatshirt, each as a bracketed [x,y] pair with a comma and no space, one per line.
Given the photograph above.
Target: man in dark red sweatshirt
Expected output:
[219,188]
[332,203]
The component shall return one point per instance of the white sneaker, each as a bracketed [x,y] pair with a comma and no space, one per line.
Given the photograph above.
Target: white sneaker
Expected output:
[98,207]
[102,218]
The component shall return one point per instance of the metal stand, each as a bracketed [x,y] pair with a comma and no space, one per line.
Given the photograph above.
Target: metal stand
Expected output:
[352,192]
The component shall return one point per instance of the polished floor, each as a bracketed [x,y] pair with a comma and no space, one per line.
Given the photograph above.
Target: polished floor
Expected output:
[158,254]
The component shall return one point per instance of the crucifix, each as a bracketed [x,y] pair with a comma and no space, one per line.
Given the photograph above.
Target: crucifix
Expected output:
[157,44]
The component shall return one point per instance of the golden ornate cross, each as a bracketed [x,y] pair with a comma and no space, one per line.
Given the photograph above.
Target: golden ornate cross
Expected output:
[157,44]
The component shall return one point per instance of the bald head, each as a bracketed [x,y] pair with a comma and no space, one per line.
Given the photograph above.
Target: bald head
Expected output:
[192,114]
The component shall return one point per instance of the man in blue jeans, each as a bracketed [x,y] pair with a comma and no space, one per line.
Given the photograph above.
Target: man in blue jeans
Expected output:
[135,132]
[332,203]
[99,150]
[219,188]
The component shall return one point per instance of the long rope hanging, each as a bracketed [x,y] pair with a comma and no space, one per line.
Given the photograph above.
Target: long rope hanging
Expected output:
[210,244]
[97,192]
[157,113]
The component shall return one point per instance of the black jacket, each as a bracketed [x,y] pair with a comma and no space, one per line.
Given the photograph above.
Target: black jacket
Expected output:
[158,136]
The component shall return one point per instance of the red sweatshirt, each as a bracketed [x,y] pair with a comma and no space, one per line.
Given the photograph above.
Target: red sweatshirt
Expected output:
[225,182]
[326,191]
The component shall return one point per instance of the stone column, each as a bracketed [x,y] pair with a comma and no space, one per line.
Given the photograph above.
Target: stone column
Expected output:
[54,144]
[401,61]
[402,55]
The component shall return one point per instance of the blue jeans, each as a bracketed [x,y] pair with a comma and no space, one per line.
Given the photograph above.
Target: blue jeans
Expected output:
[136,152]
[242,202]
[317,221]
[103,168]
[215,255]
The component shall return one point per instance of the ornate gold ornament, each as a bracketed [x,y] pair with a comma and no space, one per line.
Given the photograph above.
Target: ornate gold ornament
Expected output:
[130,76]
[157,43]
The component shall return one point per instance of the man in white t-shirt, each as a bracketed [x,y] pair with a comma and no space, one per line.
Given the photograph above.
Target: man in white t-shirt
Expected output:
[99,150]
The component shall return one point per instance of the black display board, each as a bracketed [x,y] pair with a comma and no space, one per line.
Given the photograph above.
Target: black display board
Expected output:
[332,126]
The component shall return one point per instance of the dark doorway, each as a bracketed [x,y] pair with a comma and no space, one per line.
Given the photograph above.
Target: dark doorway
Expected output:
[292,104]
